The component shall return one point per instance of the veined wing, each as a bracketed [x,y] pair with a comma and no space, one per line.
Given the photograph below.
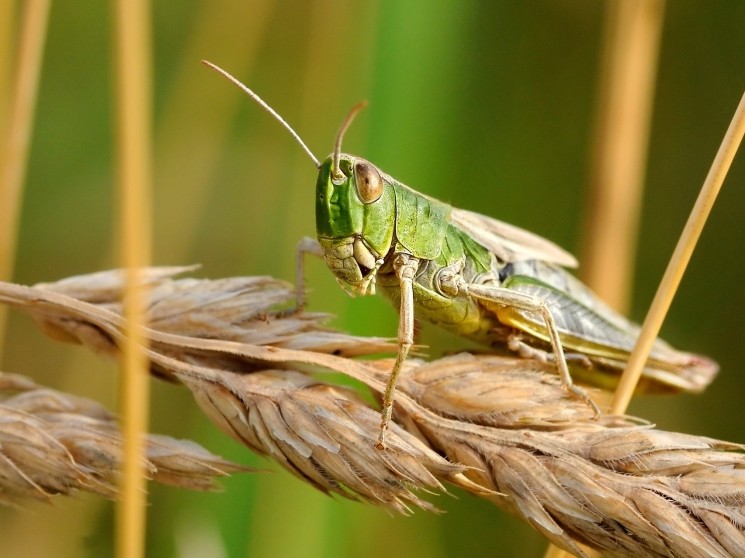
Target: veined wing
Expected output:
[584,330]
[588,327]
[509,243]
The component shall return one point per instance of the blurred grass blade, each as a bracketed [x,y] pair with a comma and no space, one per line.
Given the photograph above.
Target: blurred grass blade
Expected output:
[215,35]
[133,62]
[621,138]
[17,139]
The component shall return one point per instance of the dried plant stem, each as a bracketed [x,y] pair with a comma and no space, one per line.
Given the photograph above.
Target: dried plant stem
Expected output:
[134,149]
[680,259]
[16,143]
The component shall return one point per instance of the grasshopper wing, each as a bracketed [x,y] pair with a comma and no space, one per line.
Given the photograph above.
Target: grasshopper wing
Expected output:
[507,242]
[606,338]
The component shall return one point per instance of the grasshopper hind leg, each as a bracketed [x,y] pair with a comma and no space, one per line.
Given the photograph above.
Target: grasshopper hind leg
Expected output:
[510,298]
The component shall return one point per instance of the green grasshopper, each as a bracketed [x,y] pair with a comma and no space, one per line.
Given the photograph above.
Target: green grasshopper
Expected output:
[473,275]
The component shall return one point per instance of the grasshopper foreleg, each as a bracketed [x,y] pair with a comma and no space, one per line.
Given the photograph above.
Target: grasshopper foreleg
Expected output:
[507,297]
[307,245]
[405,267]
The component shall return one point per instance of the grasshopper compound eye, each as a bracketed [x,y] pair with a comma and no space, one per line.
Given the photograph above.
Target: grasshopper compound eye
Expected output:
[369,182]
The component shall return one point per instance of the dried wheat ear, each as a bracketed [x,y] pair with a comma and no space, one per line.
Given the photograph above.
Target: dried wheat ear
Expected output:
[499,428]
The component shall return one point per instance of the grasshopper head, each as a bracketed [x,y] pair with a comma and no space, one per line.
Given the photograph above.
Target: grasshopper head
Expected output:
[355,206]
[355,219]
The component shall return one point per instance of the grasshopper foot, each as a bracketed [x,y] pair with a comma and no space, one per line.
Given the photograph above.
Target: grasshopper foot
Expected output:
[582,394]
[298,308]
[384,424]
[380,444]
[526,351]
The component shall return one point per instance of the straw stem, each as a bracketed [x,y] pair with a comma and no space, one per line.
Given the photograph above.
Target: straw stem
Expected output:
[134,149]
[680,258]
[15,148]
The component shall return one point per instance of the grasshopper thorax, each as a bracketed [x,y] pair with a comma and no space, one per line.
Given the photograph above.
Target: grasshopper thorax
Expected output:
[355,219]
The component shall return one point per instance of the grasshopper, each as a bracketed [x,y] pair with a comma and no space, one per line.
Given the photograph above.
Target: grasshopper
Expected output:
[471,274]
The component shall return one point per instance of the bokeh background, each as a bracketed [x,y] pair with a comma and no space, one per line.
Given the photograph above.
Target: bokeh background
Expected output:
[488,105]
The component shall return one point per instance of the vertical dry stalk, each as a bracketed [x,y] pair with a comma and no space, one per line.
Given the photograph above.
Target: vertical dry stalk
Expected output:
[18,138]
[628,70]
[133,121]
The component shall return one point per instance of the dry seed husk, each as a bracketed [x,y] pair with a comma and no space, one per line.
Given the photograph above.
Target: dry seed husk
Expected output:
[507,428]
[55,443]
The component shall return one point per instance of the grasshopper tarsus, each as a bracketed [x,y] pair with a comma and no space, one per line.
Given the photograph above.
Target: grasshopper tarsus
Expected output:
[385,421]
[581,393]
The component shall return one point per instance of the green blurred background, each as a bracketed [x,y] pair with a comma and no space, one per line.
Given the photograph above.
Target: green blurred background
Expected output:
[488,105]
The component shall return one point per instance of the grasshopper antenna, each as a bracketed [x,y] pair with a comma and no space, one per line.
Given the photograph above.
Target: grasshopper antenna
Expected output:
[267,108]
[336,173]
